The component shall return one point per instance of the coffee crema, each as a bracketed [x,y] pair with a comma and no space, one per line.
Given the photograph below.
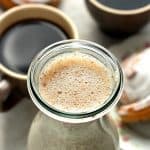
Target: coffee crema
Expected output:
[75,83]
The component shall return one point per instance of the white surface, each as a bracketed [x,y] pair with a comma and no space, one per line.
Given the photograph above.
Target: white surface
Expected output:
[14,125]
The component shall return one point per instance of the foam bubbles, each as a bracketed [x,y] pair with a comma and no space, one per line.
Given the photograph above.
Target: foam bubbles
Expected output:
[75,83]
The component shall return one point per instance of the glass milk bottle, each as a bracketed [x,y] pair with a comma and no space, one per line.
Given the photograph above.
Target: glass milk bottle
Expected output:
[53,129]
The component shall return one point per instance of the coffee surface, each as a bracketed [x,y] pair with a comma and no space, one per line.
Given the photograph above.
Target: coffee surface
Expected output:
[125,4]
[75,83]
[22,41]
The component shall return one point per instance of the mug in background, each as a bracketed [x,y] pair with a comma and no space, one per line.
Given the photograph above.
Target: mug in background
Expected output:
[13,84]
[118,22]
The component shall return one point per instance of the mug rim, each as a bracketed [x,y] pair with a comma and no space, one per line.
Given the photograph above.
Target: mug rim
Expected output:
[16,9]
[116,11]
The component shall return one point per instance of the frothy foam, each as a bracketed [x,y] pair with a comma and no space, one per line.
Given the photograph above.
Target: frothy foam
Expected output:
[75,83]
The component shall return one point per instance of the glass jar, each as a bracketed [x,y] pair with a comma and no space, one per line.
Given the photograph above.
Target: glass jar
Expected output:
[6,4]
[56,130]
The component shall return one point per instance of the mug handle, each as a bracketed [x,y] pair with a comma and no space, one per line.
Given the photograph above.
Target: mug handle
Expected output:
[5,88]
[9,95]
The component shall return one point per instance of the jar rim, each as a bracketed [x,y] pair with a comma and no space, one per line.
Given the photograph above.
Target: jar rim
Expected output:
[73,117]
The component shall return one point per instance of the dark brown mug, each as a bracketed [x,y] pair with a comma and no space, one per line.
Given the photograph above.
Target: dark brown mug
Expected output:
[13,84]
[116,21]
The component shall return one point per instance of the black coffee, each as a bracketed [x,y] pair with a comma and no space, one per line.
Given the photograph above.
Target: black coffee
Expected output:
[22,41]
[125,4]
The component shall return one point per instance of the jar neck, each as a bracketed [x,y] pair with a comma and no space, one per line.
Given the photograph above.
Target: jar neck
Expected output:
[69,46]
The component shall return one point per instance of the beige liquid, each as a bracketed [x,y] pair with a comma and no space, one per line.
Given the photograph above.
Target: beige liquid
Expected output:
[75,83]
